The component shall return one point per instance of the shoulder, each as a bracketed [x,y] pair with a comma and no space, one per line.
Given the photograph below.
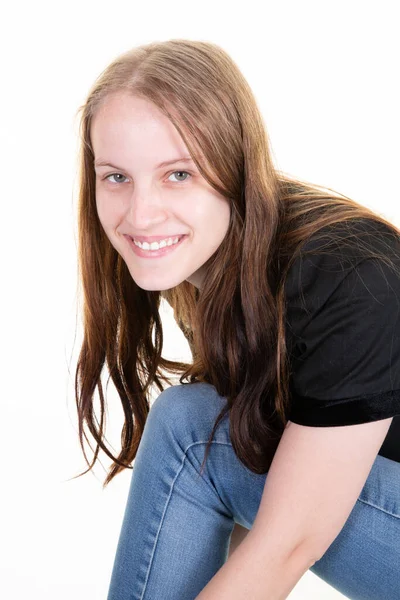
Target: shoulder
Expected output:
[343,326]
[343,259]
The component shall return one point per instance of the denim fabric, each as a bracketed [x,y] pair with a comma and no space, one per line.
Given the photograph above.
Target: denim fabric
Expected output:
[177,525]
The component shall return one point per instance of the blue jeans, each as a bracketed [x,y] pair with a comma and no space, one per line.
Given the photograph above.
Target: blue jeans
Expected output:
[177,525]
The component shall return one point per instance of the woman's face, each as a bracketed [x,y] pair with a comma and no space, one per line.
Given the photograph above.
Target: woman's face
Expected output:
[136,197]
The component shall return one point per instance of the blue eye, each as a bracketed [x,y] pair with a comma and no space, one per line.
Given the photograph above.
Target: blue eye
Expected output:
[116,175]
[119,178]
[180,172]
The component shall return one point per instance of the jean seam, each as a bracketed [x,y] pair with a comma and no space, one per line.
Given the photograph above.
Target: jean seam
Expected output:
[167,504]
[379,508]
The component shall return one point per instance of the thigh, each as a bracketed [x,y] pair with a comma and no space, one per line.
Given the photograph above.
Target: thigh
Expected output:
[363,562]
[177,524]
[188,413]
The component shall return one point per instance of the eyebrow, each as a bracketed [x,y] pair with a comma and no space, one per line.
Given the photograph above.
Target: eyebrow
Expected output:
[165,163]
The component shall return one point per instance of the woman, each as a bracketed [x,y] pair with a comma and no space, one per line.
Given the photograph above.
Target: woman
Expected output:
[288,294]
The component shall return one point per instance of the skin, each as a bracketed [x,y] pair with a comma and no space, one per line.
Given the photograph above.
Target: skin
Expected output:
[135,197]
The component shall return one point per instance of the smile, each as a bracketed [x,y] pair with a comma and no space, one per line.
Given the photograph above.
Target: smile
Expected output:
[155,253]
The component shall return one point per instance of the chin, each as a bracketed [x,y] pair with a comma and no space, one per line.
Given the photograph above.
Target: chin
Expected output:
[157,286]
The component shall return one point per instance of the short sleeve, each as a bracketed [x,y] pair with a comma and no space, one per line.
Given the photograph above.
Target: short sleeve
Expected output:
[343,323]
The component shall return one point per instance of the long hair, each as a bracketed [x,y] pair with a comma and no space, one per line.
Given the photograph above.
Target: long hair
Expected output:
[235,325]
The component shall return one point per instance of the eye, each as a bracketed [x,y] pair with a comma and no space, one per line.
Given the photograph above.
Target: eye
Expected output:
[119,178]
[116,175]
[180,173]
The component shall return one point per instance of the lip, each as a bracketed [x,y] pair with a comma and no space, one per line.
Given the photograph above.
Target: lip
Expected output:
[153,238]
[154,253]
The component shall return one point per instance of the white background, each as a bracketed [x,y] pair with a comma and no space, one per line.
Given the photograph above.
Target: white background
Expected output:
[325,75]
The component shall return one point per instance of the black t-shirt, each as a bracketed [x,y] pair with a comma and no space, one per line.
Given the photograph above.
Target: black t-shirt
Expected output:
[343,331]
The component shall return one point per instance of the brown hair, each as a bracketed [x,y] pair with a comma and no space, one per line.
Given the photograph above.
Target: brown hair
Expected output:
[235,325]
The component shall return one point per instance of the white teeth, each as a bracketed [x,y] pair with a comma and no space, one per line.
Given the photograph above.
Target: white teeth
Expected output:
[157,245]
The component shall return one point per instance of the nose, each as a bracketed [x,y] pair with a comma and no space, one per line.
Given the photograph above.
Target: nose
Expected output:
[145,210]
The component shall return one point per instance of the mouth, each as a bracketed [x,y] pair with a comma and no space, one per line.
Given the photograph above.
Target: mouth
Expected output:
[155,253]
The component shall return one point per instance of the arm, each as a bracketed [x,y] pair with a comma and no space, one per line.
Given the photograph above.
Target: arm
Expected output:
[313,483]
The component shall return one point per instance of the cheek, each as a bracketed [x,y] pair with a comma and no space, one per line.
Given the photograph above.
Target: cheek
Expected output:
[106,210]
[224,216]
[99,202]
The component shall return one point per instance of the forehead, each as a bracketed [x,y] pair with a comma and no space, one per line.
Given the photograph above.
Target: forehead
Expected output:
[124,119]
[127,103]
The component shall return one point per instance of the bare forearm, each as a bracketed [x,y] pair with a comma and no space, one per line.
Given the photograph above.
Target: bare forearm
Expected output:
[250,573]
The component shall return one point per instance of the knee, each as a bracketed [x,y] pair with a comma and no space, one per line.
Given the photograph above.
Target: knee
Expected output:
[186,402]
